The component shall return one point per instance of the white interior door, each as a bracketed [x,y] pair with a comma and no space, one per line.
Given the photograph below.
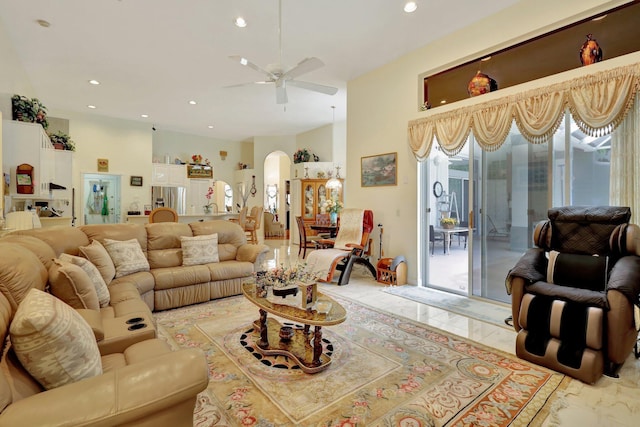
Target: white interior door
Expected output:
[100,202]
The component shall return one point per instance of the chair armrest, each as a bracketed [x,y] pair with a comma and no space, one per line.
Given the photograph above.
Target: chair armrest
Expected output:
[122,396]
[250,253]
[327,243]
[94,319]
[625,278]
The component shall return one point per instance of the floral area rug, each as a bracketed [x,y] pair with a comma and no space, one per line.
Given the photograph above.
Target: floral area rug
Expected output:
[386,371]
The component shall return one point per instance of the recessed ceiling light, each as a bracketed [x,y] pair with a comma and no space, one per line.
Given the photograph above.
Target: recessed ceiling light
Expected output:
[240,22]
[192,102]
[444,101]
[410,6]
[599,18]
[210,126]
[486,58]
[144,115]
[94,82]
[93,107]
[43,23]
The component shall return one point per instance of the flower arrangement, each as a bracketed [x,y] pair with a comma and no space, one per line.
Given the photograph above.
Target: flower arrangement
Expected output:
[282,277]
[208,195]
[302,155]
[197,159]
[448,221]
[332,206]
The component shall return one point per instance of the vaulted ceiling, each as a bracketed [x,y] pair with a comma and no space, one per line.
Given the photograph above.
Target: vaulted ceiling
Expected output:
[154,56]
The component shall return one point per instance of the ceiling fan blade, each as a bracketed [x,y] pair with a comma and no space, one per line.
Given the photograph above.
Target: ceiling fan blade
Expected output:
[281,92]
[249,84]
[328,90]
[244,61]
[305,66]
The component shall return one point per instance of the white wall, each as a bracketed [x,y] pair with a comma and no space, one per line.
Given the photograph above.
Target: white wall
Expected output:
[381,103]
[127,146]
[319,141]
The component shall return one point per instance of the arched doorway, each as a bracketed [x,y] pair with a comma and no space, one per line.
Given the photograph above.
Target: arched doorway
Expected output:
[277,174]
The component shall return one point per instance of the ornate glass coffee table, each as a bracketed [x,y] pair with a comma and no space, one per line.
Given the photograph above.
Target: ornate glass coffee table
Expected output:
[304,346]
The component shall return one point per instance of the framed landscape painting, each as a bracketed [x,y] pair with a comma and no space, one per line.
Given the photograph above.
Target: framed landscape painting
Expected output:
[379,170]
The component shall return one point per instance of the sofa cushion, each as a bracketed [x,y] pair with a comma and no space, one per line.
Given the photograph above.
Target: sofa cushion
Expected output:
[199,249]
[53,342]
[230,236]
[39,247]
[578,271]
[127,256]
[94,275]
[98,255]
[20,270]
[72,285]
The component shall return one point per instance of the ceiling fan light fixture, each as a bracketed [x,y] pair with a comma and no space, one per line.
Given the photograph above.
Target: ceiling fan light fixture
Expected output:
[410,6]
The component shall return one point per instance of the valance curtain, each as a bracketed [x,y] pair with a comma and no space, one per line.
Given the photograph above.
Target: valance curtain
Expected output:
[598,103]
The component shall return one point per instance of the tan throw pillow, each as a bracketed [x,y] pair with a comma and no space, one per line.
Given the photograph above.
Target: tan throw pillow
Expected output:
[53,342]
[199,249]
[94,275]
[98,255]
[127,256]
[72,285]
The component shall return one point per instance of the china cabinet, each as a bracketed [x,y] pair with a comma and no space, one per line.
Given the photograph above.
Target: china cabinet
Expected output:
[313,194]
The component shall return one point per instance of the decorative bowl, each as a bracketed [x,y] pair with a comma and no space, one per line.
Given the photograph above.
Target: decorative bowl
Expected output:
[286,333]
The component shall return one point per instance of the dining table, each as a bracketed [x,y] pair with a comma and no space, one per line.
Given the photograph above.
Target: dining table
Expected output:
[325,228]
[447,233]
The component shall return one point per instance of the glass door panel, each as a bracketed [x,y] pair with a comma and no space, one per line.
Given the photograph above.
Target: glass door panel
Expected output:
[514,185]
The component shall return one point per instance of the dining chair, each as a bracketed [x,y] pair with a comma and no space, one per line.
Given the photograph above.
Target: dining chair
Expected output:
[433,238]
[163,214]
[252,224]
[463,234]
[306,242]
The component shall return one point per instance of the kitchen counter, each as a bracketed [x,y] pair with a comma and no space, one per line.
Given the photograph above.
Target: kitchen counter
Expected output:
[144,219]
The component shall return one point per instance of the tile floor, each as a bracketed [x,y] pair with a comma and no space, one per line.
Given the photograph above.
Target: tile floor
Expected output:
[610,402]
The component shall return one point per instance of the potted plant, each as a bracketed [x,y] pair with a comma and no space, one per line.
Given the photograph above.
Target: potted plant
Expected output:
[448,222]
[29,110]
[22,109]
[62,141]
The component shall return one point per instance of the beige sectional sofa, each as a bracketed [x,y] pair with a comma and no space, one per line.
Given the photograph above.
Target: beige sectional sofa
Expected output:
[140,381]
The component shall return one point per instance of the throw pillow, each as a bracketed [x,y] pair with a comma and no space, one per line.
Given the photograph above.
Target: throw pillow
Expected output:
[98,255]
[199,249]
[578,271]
[53,342]
[127,256]
[72,285]
[94,275]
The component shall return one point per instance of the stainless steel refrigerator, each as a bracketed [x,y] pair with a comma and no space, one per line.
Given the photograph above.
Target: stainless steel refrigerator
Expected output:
[170,197]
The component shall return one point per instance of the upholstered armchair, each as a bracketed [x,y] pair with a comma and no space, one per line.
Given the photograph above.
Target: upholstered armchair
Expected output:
[272,228]
[573,294]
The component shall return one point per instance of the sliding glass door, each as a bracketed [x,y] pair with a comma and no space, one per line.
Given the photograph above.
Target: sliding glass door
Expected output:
[500,196]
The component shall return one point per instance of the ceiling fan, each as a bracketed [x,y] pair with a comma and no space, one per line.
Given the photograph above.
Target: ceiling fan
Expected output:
[282,77]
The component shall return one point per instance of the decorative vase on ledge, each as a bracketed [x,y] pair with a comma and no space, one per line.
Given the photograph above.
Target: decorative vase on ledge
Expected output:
[207,209]
[333,216]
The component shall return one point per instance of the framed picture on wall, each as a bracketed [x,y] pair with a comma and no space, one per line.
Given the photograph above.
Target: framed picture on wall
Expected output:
[136,181]
[379,170]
